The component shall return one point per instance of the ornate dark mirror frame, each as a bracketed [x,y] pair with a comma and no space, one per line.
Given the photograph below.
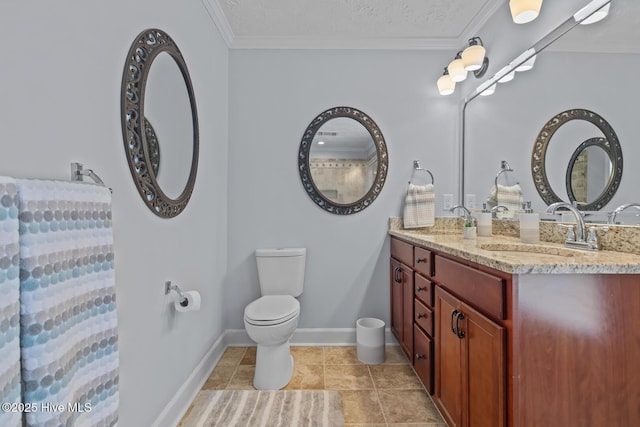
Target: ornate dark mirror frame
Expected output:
[305,169]
[140,143]
[610,144]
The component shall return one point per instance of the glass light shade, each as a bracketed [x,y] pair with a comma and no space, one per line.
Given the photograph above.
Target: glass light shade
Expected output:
[489,91]
[527,65]
[507,77]
[472,57]
[523,11]
[457,71]
[597,16]
[446,86]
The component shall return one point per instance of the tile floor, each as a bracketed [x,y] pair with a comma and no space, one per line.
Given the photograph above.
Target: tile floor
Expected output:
[383,395]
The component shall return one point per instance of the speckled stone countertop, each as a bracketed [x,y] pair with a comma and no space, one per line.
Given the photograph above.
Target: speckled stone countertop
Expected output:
[513,256]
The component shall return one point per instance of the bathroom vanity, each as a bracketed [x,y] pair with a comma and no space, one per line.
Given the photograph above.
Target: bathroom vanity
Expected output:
[505,334]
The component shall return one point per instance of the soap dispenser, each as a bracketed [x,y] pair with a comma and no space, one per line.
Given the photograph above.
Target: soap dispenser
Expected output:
[484,222]
[529,225]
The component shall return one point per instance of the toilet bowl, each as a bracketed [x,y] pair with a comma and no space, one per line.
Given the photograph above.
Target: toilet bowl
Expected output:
[272,319]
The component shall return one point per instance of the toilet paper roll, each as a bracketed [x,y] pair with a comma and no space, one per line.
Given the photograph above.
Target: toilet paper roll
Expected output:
[191,302]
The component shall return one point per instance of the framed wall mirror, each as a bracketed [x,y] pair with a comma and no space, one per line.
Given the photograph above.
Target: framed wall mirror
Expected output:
[594,169]
[343,160]
[159,123]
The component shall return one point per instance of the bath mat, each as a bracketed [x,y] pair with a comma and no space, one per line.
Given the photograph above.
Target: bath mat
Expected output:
[244,408]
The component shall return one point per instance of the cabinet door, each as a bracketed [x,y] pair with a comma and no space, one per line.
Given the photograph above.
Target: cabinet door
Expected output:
[470,365]
[407,311]
[483,354]
[396,299]
[448,355]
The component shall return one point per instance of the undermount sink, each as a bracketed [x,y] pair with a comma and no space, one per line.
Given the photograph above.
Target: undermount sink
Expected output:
[528,248]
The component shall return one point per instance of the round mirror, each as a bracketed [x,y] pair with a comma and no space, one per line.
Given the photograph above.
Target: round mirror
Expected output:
[156,86]
[343,160]
[589,172]
[591,187]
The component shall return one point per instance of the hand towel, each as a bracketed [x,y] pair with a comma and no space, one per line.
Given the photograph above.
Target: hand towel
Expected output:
[419,207]
[509,196]
[68,330]
[10,386]
[492,199]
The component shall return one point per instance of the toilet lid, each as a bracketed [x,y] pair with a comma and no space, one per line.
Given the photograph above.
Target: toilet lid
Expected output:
[272,309]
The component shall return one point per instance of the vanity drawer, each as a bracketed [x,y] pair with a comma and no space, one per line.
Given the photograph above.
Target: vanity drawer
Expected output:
[423,262]
[402,251]
[424,290]
[423,317]
[423,358]
[481,290]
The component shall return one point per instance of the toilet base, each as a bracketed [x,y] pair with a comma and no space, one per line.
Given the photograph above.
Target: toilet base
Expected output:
[274,367]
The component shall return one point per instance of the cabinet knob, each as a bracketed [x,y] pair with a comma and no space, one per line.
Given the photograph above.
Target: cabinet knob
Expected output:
[420,260]
[420,315]
[419,356]
[420,288]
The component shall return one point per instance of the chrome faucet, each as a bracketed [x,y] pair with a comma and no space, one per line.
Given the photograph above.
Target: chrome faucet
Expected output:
[575,239]
[467,214]
[612,215]
[496,209]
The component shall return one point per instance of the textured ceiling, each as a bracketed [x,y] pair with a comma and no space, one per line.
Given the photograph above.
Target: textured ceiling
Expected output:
[350,23]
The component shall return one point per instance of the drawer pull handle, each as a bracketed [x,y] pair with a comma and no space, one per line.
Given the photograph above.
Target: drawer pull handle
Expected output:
[420,315]
[421,288]
[420,260]
[454,313]
[459,317]
[419,356]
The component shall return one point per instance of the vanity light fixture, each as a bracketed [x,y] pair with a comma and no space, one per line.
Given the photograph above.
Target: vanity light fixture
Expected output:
[489,91]
[446,86]
[457,72]
[523,11]
[527,65]
[507,77]
[595,11]
[474,57]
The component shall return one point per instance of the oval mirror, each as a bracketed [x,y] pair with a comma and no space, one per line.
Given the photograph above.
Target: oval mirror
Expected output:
[156,86]
[548,164]
[343,160]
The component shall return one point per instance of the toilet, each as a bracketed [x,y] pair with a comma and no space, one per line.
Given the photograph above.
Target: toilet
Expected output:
[272,319]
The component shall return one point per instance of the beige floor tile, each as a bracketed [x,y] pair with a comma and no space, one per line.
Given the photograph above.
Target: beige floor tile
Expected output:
[408,406]
[308,355]
[232,356]
[242,379]
[347,377]
[341,356]
[361,407]
[249,357]
[393,355]
[307,377]
[394,377]
[219,378]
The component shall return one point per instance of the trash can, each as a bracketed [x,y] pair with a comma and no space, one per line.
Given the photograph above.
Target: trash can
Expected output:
[370,340]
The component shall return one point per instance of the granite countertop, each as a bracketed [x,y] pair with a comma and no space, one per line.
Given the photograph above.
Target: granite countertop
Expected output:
[544,258]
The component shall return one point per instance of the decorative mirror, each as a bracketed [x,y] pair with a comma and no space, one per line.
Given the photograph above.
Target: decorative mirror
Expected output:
[595,168]
[343,160]
[156,88]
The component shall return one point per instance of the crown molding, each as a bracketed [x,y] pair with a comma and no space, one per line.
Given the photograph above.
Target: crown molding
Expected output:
[218,17]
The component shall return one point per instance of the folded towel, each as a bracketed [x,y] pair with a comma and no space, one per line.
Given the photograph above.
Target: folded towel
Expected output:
[509,196]
[68,334]
[9,303]
[492,199]
[419,207]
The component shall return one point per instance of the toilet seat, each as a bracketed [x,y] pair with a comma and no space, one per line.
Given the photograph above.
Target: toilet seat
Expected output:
[271,310]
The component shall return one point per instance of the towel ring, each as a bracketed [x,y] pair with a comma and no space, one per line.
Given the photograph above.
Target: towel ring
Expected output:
[504,167]
[416,167]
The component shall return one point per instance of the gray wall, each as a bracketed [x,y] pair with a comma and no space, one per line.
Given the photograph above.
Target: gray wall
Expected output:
[60,102]
[275,95]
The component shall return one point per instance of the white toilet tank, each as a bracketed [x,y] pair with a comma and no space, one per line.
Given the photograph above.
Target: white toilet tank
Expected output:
[281,271]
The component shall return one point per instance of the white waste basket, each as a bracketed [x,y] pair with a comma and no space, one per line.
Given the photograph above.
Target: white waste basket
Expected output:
[370,340]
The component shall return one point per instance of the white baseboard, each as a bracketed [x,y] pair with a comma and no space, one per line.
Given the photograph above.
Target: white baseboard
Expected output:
[178,406]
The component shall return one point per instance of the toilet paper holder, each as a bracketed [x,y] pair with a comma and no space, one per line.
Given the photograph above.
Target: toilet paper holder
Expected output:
[168,287]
